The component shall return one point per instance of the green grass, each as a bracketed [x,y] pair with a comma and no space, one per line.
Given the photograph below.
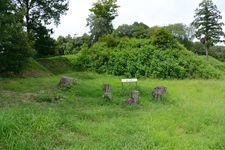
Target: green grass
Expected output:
[58,64]
[216,63]
[190,116]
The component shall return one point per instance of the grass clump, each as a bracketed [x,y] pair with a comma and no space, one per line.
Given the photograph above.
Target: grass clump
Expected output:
[49,96]
[191,115]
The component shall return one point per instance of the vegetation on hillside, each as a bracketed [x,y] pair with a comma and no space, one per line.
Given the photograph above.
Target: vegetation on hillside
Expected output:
[160,57]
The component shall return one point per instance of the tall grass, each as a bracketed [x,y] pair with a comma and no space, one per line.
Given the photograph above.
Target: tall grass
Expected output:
[190,116]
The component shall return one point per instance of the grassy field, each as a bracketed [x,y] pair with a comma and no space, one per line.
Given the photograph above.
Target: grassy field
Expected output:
[36,114]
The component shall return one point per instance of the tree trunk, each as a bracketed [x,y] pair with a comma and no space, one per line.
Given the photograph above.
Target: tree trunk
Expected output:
[27,16]
[207,53]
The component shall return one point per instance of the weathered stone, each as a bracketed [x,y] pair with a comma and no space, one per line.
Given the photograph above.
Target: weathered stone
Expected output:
[158,92]
[134,97]
[130,100]
[107,92]
[107,96]
[65,81]
[106,88]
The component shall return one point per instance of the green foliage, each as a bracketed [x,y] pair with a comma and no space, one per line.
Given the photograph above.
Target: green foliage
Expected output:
[14,47]
[198,48]
[94,58]
[100,20]
[71,45]
[44,44]
[83,120]
[217,52]
[38,14]
[64,45]
[208,28]
[183,33]
[136,30]
[140,30]
[34,69]
[123,31]
[162,38]
[216,64]
[135,58]
[58,64]
[49,96]
[109,39]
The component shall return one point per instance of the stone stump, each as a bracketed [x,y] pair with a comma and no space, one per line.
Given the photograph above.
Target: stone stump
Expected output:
[107,94]
[158,92]
[106,88]
[134,97]
[65,81]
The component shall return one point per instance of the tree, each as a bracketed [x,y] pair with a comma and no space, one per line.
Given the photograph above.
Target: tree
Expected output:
[136,30]
[44,44]
[140,30]
[183,33]
[71,45]
[198,48]
[14,47]
[208,28]
[123,31]
[37,15]
[100,20]
[41,12]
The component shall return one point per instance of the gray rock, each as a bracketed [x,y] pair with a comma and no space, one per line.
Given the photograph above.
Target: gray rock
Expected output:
[107,92]
[134,97]
[65,81]
[158,92]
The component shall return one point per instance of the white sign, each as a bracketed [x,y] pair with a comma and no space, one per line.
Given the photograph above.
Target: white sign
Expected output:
[129,80]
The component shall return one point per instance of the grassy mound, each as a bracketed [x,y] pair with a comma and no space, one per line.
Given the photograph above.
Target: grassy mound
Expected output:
[58,64]
[135,58]
[34,69]
[216,63]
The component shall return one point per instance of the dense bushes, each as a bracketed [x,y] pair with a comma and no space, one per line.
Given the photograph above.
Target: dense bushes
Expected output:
[135,58]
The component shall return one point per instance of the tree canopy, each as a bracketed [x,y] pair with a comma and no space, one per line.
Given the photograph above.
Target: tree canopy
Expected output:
[37,15]
[40,13]
[136,30]
[100,19]
[14,46]
[207,23]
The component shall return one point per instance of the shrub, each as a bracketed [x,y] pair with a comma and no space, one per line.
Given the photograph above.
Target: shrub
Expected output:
[162,38]
[134,58]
